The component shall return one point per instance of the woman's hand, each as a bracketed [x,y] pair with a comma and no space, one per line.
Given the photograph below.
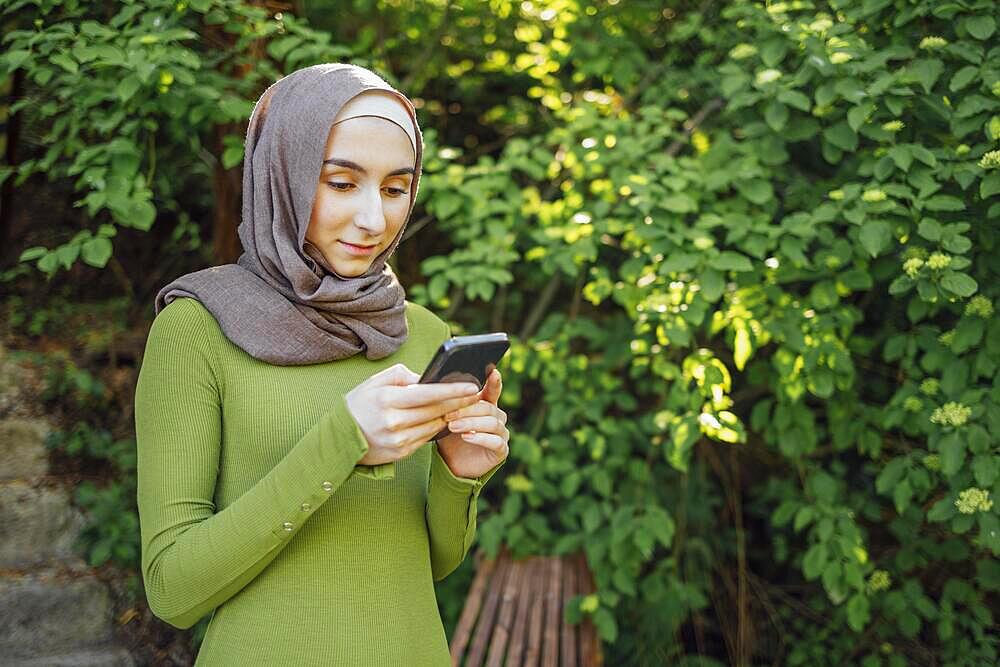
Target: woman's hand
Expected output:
[397,414]
[480,436]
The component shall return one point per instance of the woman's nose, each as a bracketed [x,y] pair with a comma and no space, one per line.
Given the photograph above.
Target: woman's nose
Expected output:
[369,215]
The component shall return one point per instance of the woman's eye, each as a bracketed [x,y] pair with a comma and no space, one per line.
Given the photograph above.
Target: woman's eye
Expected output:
[395,192]
[343,187]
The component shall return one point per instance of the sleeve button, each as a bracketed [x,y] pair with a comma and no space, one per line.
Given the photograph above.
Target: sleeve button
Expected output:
[327,486]
[306,507]
[288,526]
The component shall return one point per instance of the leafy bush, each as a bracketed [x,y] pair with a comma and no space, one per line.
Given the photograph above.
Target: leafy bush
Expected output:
[746,257]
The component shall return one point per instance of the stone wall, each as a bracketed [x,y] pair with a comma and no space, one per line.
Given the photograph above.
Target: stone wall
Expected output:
[54,610]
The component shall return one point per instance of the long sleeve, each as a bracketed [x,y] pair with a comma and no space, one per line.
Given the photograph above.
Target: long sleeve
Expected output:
[194,558]
[452,507]
[451,514]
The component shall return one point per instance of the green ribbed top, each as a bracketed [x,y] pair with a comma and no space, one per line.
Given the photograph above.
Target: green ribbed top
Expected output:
[252,506]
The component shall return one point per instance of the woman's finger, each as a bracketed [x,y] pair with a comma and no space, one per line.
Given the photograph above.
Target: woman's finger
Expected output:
[420,395]
[494,385]
[479,409]
[488,424]
[412,438]
[487,440]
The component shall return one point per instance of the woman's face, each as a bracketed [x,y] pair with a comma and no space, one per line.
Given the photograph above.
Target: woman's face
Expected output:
[363,193]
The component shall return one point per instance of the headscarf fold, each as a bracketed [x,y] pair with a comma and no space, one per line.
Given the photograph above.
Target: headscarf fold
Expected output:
[281,302]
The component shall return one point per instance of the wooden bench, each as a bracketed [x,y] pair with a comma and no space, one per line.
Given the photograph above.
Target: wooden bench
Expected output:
[513,615]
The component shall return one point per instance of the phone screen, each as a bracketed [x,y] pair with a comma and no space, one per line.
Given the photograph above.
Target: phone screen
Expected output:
[466,359]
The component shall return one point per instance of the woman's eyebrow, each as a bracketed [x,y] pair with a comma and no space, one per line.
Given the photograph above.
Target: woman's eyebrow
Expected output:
[347,164]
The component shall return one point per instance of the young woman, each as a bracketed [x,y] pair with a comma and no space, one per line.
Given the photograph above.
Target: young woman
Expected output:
[288,483]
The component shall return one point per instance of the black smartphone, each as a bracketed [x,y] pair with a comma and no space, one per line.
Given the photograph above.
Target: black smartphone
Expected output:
[466,359]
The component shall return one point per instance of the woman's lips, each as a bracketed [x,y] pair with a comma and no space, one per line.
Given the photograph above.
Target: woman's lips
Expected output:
[357,249]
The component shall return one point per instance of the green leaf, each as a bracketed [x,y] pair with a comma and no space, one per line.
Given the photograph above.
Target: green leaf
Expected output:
[963,78]
[842,136]
[853,576]
[100,553]
[785,511]
[127,87]
[606,625]
[990,185]
[901,495]
[832,577]
[981,27]
[730,261]
[944,203]
[794,98]
[902,156]
[446,204]
[821,382]
[96,251]
[679,261]
[742,347]
[823,486]
[232,155]
[930,229]
[64,61]
[968,333]
[890,475]
[623,582]
[814,561]
[942,510]
[32,253]
[776,115]
[876,237]
[67,254]
[924,155]
[803,518]
[756,190]
[985,467]
[14,58]
[909,624]
[858,613]
[136,213]
[989,532]
[857,116]
[712,285]
[679,203]
[883,168]
[952,454]
[959,283]
[49,263]
[926,71]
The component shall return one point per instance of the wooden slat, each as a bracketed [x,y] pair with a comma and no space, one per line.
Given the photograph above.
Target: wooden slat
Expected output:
[590,645]
[526,594]
[473,603]
[553,613]
[568,652]
[505,617]
[534,649]
[484,627]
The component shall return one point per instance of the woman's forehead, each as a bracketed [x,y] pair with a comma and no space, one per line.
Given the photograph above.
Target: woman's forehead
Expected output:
[370,141]
[383,104]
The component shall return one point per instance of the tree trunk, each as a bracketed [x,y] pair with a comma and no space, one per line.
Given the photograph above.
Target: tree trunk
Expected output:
[227,190]
[12,132]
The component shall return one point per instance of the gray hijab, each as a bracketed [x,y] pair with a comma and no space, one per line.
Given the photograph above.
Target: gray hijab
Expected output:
[281,302]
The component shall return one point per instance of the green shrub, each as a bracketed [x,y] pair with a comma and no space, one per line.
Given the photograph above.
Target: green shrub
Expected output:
[747,257]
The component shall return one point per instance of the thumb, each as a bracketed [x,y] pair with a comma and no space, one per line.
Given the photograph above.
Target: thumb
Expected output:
[398,375]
